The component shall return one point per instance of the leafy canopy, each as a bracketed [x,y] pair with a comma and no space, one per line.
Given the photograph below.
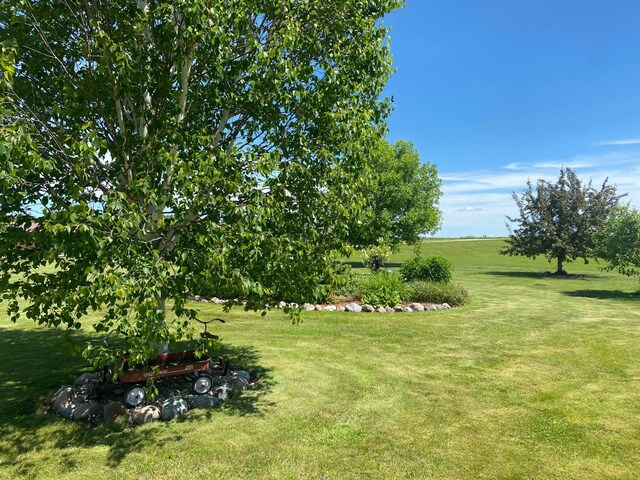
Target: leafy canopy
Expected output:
[558,220]
[619,242]
[150,147]
[402,197]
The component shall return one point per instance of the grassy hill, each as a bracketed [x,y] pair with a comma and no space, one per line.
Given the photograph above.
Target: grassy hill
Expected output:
[538,377]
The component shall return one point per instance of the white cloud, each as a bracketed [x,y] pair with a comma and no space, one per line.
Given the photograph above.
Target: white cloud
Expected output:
[627,141]
[476,202]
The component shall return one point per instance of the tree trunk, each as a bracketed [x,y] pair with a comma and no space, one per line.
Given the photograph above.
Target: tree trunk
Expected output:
[163,347]
[560,271]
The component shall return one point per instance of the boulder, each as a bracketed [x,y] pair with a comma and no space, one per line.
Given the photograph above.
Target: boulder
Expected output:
[281,304]
[389,310]
[115,413]
[61,398]
[319,308]
[353,307]
[242,374]
[203,401]
[407,309]
[398,308]
[446,306]
[367,308]
[67,410]
[86,412]
[417,307]
[173,408]
[307,307]
[223,392]
[148,413]
[340,308]
[381,310]
[330,308]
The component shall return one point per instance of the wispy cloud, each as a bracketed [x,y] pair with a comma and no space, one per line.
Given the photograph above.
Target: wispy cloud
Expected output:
[625,141]
[475,202]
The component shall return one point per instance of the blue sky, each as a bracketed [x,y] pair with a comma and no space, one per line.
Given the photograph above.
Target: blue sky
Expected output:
[496,92]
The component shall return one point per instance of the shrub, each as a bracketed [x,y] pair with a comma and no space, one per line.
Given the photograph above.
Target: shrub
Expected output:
[429,269]
[345,287]
[381,253]
[384,289]
[434,292]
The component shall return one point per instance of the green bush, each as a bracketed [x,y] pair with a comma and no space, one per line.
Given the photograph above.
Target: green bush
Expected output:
[428,269]
[437,292]
[384,289]
[346,287]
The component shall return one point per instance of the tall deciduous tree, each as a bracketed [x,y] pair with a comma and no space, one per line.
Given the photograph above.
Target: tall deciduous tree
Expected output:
[402,198]
[619,242]
[157,146]
[558,220]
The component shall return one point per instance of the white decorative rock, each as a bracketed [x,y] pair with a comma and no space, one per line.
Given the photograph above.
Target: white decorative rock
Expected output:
[174,408]
[367,308]
[340,308]
[307,307]
[319,308]
[417,307]
[446,306]
[381,310]
[148,413]
[353,307]
[398,308]
[407,309]
[389,310]
[330,308]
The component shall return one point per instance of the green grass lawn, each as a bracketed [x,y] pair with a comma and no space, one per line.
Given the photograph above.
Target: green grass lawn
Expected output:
[538,377]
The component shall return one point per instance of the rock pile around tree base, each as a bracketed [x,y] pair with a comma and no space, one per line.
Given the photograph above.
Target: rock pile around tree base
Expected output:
[175,399]
[354,307]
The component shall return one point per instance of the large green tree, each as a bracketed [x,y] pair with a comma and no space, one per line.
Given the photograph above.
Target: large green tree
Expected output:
[157,146]
[618,242]
[402,197]
[558,220]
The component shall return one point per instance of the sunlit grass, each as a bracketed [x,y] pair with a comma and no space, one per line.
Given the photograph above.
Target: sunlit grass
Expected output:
[538,377]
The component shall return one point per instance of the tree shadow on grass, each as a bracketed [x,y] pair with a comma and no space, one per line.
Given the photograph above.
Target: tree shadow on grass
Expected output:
[605,294]
[35,363]
[540,275]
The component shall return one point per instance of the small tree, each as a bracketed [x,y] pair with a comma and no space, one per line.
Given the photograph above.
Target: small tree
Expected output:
[558,220]
[618,242]
[162,145]
[402,197]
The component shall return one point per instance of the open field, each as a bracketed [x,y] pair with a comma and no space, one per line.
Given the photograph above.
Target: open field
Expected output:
[538,377]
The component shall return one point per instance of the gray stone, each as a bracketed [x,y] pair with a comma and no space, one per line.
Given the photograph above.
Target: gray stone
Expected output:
[389,310]
[148,413]
[319,308]
[223,392]
[115,412]
[61,398]
[353,307]
[85,412]
[307,307]
[407,309]
[340,308]
[417,307]
[242,374]
[173,408]
[203,401]
[330,308]
[281,304]
[381,310]
[239,384]
[446,306]
[197,298]
[66,411]
[367,308]
[398,308]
